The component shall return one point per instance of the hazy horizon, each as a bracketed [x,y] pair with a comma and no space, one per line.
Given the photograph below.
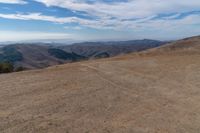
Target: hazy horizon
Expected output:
[70,41]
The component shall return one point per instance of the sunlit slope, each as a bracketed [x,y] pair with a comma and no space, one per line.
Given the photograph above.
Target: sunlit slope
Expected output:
[183,47]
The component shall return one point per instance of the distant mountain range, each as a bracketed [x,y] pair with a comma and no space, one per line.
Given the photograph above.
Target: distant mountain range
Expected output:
[40,55]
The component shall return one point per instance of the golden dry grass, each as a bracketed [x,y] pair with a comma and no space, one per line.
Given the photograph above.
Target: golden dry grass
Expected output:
[127,94]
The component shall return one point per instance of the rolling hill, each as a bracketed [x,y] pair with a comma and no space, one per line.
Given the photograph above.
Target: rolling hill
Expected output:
[156,91]
[109,49]
[31,56]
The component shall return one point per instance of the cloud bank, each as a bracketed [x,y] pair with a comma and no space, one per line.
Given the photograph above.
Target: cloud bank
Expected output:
[162,16]
[18,36]
[128,9]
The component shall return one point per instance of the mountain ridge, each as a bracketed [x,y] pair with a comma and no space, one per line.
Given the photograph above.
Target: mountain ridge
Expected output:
[43,55]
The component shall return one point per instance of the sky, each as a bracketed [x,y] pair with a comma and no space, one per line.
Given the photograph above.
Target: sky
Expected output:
[84,20]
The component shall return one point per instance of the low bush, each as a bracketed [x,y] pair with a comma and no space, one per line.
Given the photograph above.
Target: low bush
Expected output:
[6,67]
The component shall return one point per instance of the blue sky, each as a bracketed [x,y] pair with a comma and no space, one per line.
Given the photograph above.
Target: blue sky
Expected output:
[82,20]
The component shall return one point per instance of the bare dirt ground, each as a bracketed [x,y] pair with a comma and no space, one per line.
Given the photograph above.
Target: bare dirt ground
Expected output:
[127,94]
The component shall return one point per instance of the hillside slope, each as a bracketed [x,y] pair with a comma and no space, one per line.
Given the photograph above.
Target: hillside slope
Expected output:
[134,93]
[32,56]
[186,46]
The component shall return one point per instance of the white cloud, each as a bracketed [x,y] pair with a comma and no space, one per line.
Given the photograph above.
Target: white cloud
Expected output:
[115,24]
[133,15]
[39,16]
[116,15]
[126,10]
[130,14]
[13,1]
[21,36]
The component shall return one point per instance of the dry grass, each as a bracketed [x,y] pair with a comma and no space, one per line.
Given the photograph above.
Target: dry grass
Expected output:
[127,94]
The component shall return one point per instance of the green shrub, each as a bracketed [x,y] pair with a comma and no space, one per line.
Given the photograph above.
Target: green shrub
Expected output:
[6,67]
